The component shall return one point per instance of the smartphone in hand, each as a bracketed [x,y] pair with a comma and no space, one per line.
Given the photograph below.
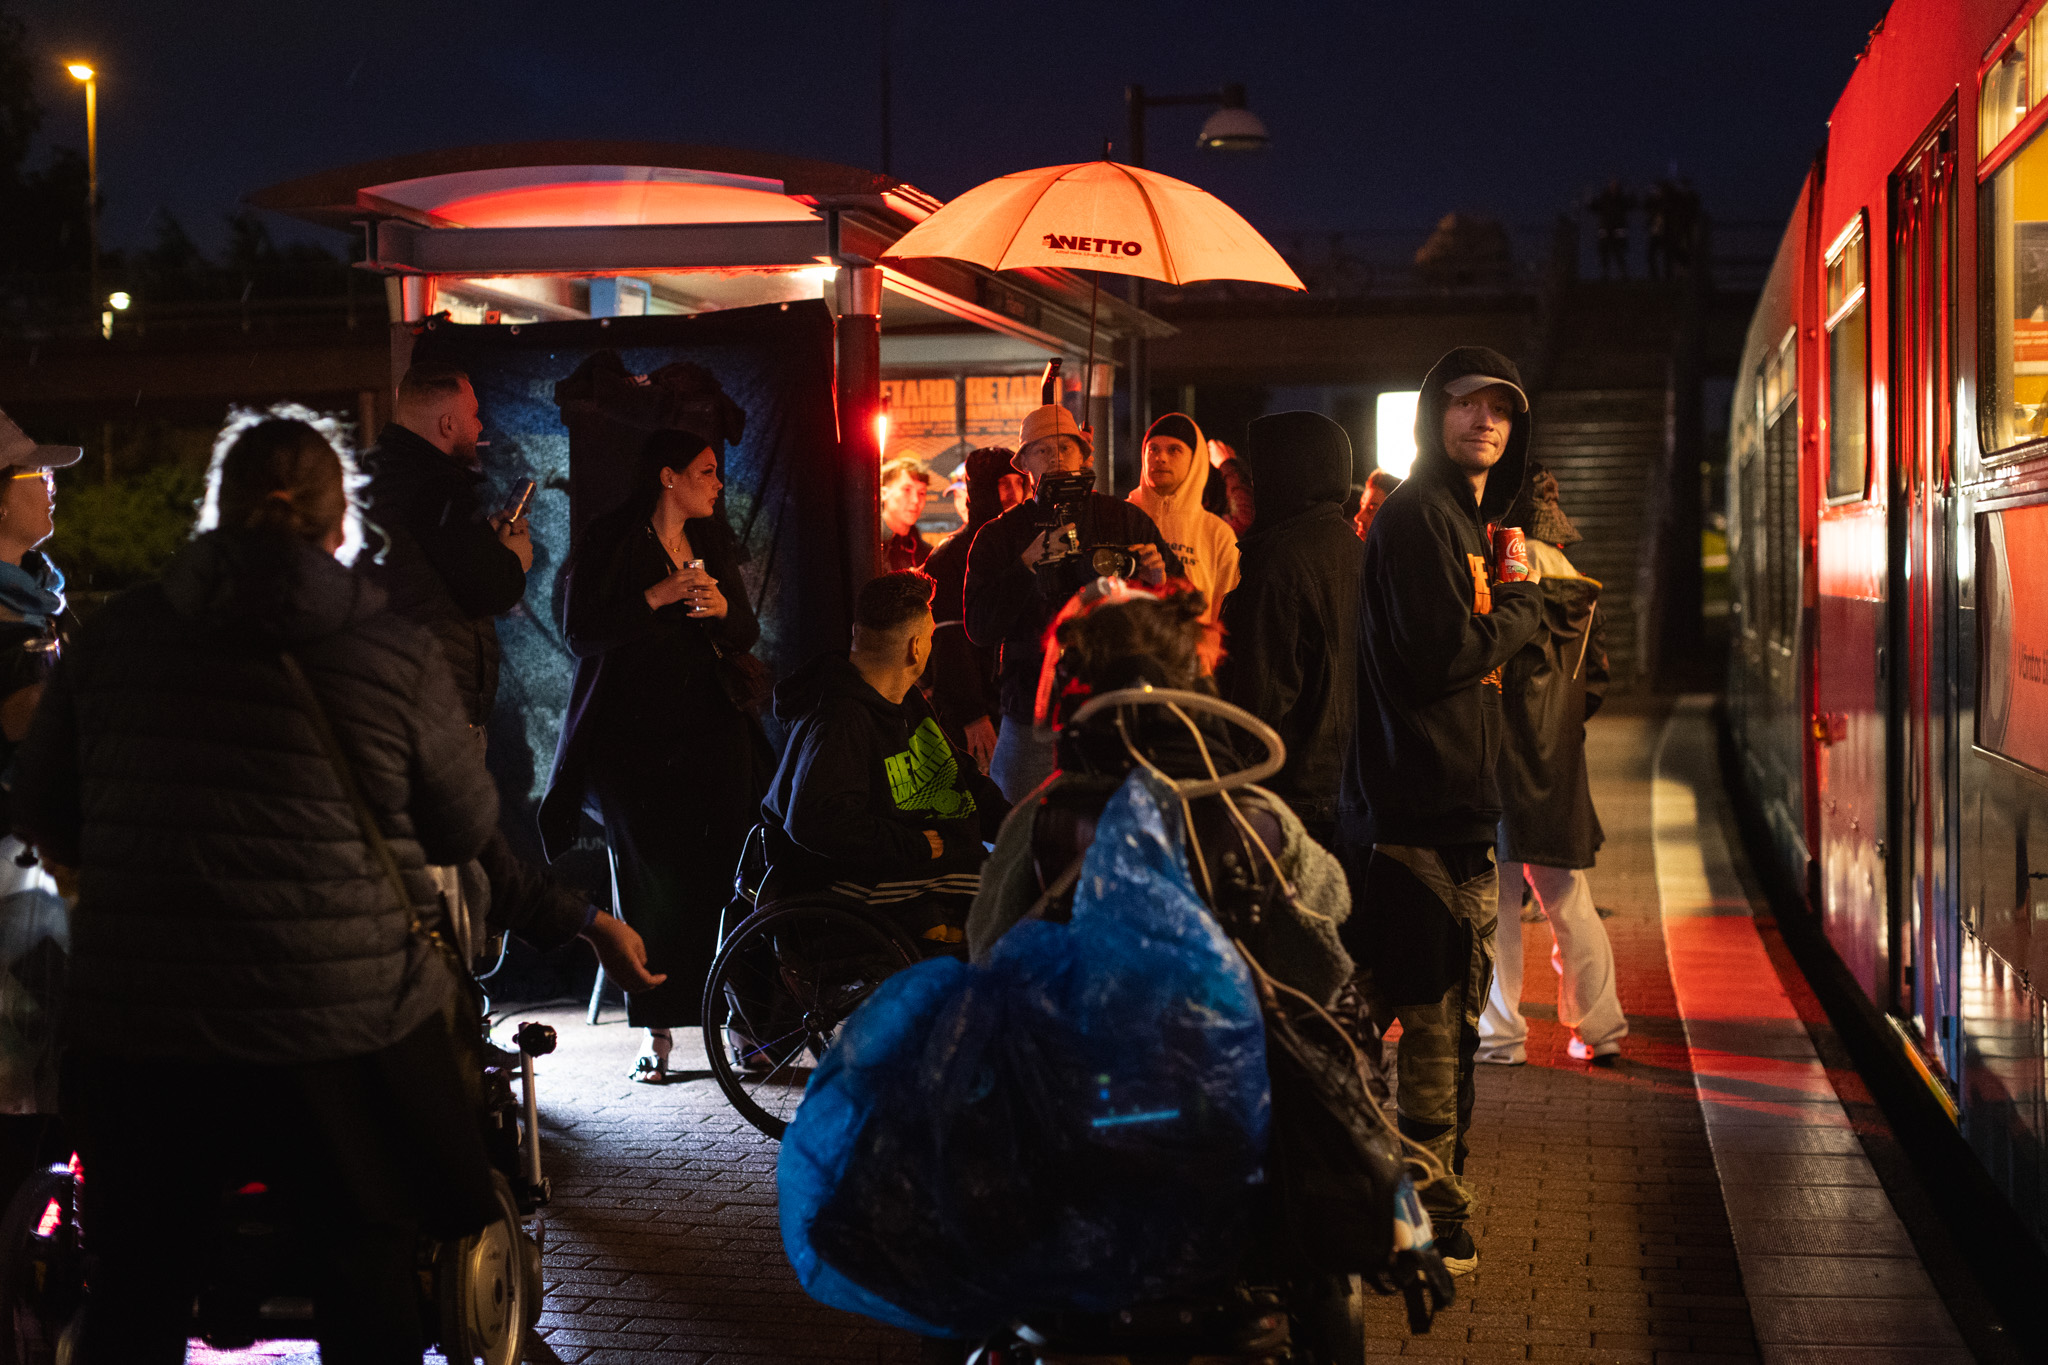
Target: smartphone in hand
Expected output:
[522,496]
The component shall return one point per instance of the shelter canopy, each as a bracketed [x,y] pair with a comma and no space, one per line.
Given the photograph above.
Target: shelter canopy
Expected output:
[554,230]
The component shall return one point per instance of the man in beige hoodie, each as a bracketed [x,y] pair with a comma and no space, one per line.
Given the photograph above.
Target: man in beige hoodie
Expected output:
[1176,469]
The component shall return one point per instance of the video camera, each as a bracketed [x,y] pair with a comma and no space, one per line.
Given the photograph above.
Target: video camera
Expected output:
[1065,498]
[1073,556]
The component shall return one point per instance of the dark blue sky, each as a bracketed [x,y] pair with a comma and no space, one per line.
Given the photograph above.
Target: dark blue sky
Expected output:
[1382,115]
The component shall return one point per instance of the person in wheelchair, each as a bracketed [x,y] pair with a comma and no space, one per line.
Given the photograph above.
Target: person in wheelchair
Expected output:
[872,801]
[1113,635]
[261,994]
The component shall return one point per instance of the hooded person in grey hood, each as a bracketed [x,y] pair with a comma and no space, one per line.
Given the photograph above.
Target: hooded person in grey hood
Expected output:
[1418,807]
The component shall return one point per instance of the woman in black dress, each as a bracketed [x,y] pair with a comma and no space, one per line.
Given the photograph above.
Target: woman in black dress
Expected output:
[653,746]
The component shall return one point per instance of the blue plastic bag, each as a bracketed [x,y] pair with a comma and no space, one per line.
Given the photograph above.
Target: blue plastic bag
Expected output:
[1079,1123]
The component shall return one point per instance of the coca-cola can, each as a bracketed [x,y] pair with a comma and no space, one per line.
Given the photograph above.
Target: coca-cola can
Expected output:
[1510,554]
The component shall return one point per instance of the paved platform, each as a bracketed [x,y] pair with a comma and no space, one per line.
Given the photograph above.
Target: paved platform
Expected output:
[1706,1200]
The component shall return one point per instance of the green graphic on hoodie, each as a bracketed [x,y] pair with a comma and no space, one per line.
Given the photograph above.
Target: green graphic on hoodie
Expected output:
[924,777]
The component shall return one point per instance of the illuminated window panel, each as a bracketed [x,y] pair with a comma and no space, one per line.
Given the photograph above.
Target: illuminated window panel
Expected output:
[1394,429]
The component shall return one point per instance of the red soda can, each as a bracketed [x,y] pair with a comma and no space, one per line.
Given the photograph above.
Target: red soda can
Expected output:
[1510,555]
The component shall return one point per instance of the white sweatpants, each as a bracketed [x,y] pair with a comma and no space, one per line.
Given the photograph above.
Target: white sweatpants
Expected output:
[1583,957]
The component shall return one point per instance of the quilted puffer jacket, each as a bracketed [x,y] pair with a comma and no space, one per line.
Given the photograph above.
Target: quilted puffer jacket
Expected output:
[229,908]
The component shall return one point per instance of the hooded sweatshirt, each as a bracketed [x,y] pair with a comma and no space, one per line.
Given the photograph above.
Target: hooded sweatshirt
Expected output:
[1291,628]
[862,779]
[1434,629]
[1204,541]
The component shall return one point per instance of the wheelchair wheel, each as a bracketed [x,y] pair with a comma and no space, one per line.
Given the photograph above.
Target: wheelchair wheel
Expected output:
[42,1272]
[1330,1325]
[485,1285]
[782,984]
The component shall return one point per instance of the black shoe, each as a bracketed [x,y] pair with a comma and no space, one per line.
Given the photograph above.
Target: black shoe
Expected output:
[1461,1257]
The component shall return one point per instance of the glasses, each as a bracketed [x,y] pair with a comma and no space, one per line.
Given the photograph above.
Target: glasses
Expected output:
[49,479]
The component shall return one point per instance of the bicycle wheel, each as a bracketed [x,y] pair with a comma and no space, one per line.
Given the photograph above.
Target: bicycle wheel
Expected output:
[782,985]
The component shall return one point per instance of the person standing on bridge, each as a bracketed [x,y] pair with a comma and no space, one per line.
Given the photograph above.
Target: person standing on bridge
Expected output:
[1549,830]
[1440,611]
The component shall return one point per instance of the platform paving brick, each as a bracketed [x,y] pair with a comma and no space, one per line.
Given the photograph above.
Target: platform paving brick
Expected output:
[1601,1230]
[1603,1225]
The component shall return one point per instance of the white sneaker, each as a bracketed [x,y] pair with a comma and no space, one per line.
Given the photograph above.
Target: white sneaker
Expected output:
[1502,1054]
[1599,1054]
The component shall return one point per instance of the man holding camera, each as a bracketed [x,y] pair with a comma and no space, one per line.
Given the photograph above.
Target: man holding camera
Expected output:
[1027,562]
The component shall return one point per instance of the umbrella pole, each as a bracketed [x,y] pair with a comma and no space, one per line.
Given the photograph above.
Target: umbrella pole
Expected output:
[1088,370]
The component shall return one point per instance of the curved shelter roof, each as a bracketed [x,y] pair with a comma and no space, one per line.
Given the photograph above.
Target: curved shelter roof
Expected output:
[423,184]
[611,207]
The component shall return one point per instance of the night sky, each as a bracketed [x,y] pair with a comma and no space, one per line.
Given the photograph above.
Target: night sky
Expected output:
[1382,115]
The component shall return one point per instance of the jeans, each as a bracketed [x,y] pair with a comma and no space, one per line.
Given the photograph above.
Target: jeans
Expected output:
[1440,1040]
[1582,957]
[1023,759]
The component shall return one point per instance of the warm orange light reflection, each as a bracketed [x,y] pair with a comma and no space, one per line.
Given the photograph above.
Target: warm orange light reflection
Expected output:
[882,432]
[610,203]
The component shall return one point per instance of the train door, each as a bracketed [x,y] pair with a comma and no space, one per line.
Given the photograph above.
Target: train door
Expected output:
[1918,663]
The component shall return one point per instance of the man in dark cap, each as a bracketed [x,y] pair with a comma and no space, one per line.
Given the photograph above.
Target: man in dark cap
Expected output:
[1440,611]
[1291,627]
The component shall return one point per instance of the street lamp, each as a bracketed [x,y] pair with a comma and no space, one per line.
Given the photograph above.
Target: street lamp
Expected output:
[85,74]
[1231,128]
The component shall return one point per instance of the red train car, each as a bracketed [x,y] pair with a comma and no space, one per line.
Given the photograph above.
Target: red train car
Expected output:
[1888,500]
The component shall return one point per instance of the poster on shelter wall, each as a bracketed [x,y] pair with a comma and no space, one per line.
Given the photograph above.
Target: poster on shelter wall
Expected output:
[2012,713]
[781,493]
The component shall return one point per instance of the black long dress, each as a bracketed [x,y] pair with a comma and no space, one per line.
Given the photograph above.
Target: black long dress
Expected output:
[654,749]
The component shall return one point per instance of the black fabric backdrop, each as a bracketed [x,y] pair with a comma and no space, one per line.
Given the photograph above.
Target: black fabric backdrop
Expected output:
[775,362]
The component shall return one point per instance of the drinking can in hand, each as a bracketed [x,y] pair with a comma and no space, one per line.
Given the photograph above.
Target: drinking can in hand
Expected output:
[1510,554]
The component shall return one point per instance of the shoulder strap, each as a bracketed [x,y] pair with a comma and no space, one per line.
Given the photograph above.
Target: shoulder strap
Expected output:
[309,702]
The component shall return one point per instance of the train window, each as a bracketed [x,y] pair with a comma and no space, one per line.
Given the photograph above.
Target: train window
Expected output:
[2005,99]
[2013,379]
[1848,419]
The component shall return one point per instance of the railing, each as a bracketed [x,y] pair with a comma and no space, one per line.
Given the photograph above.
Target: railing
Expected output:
[295,299]
[1496,258]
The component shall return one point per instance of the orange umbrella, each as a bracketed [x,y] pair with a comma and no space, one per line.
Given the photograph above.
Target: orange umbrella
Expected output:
[1099,215]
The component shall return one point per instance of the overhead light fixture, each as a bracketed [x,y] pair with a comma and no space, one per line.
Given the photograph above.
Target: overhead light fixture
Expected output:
[1233,128]
[119,300]
[80,71]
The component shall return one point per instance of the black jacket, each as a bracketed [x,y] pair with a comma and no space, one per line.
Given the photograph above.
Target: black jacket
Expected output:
[863,778]
[647,704]
[1009,605]
[1548,691]
[961,676]
[1291,625]
[444,567]
[1434,629]
[229,908]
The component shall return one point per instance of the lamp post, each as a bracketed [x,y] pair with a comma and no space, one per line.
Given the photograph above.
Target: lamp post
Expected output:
[86,75]
[1231,128]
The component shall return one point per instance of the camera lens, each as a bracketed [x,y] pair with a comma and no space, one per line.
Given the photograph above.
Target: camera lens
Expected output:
[1110,561]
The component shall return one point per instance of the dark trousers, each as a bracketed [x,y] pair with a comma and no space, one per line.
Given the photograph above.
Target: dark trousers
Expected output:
[672,875]
[359,1154]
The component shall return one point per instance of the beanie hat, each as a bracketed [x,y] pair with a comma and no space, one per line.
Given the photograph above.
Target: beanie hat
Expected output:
[984,470]
[1053,420]
[1180,427]
[1549,523]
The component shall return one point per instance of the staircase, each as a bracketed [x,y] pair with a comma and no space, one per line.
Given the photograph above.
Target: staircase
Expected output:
[1602,428]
